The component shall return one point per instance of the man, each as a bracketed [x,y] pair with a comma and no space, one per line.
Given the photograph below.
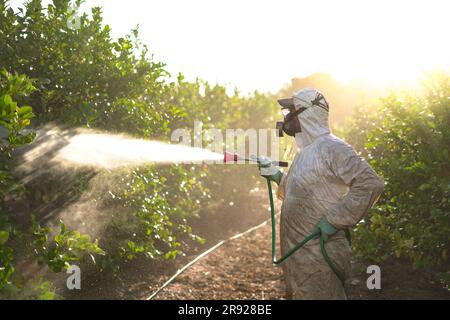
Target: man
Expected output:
[328,187]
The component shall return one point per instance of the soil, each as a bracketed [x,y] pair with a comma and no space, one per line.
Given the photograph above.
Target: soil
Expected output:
[239,269]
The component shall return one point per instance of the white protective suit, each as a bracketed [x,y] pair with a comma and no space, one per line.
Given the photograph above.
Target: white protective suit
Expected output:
[328,179]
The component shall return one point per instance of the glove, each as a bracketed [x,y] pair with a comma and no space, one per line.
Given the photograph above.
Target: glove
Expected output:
[326,229]
[268,170]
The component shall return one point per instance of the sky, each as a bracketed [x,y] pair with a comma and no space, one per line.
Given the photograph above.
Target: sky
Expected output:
[261,45]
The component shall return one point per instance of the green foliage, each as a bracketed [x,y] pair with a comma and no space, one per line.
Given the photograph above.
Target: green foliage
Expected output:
[44,291]
[83,77]
[31,290]
[159,211]
[407,141]
[66,247]
[14,119]
[6,255]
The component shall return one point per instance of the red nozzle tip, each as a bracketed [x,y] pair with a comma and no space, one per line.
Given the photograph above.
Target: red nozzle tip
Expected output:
[230,157]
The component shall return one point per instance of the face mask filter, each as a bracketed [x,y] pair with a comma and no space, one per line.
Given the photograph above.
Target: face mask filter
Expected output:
[291,124]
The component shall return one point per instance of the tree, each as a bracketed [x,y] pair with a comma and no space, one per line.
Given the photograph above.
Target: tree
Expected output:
[407,141]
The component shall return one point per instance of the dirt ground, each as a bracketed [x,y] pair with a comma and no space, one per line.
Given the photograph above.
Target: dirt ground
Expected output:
[239,269]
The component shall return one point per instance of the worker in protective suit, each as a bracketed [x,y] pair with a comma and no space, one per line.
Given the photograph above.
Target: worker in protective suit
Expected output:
[328,187]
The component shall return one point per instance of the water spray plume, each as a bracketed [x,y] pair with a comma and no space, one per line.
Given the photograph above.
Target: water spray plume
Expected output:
[109,151]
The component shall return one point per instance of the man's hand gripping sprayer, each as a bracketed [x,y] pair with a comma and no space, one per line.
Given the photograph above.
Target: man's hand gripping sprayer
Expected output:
[323,230]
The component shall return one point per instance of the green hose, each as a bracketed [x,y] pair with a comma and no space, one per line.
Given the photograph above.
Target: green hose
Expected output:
[313,235]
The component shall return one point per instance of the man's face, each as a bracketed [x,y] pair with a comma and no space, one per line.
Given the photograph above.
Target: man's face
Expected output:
[291,124]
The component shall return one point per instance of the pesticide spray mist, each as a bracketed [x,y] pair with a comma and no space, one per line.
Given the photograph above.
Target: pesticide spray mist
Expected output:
[112,151]
[88,148]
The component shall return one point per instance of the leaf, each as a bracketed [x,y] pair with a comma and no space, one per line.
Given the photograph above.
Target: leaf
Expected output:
[25,110]
[28,115]
[63,227]
[7,106]
[4,236]
[7,100]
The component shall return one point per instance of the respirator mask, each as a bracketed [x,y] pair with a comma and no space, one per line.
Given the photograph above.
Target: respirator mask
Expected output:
[291,124]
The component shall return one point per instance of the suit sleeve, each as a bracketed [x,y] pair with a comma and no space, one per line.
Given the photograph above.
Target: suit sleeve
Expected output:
[365,186]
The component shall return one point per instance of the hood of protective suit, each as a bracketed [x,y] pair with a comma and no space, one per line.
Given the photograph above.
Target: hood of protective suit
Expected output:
[314,120]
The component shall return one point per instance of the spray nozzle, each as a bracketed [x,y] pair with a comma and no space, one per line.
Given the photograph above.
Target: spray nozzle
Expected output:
[231,157]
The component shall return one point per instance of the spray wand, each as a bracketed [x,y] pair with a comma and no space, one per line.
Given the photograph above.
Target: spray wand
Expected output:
[234,157]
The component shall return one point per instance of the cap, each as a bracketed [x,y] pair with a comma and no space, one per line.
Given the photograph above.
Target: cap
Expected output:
[286,103]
